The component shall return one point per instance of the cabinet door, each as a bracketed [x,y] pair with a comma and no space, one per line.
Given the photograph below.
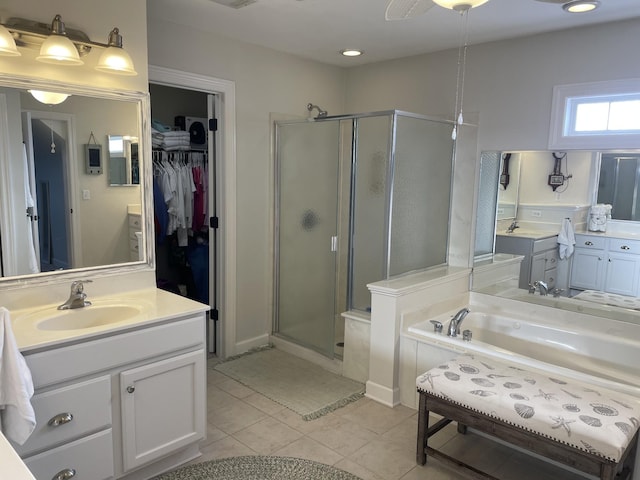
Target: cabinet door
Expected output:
[587,269]
[538,266]
[163,407]
[622,273]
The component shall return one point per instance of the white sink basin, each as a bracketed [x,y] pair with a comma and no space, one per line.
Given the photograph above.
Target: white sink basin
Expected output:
[81,318]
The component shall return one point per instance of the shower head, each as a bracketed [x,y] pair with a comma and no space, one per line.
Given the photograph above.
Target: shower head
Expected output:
[321,113]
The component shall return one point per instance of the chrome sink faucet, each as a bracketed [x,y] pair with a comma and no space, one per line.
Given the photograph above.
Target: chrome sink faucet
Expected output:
[77,298]
[454,325]
[542,287]
[512,227]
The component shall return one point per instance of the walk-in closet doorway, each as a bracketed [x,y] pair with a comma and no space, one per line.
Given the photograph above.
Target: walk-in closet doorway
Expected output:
[192,260]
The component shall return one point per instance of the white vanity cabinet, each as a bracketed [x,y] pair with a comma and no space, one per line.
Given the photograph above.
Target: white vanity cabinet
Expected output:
[540,260]
[606,264]
[587,266]
[108,407]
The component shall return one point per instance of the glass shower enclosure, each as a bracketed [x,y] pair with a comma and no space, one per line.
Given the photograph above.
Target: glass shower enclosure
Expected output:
[359,198]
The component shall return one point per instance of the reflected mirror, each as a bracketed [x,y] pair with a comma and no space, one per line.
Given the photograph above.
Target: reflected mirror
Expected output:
[124,165]
[59,210]
[589,177]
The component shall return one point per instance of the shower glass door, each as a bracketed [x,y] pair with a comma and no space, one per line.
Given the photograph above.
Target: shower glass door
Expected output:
[307,174]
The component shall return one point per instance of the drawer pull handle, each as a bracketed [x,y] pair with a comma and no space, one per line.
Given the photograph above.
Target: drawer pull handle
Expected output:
[624,247]
[65,474]
[60,419]
[131,389]
[588,243]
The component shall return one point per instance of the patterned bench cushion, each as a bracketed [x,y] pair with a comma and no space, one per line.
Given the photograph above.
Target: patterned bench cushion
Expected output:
[586,417]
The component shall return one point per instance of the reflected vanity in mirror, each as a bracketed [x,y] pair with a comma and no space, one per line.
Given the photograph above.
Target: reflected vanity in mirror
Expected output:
[59,212]
[589,177]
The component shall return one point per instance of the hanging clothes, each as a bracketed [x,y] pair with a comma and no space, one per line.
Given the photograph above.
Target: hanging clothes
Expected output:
[179,197]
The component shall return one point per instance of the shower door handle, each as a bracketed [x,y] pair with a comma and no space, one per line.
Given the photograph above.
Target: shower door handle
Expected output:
[334,243]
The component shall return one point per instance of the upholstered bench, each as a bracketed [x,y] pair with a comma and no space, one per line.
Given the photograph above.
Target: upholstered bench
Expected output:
[591,429]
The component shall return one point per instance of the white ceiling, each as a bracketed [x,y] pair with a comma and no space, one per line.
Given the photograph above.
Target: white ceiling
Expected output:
[319,29]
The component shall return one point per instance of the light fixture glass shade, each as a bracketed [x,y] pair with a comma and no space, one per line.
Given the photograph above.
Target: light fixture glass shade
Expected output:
[59,50]
[7,43]
[49,98]
[116,60]
[460,5]
[581,6]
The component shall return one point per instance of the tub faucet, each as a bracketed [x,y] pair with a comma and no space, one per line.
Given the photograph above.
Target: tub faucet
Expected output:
[454,325]
[543,288]
[77,298]
[512,227]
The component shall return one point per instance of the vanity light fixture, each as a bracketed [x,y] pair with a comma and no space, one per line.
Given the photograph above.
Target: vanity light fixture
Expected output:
[115,59]
[57,48]
[351,52]
[7,43]
[581,6]
[49,98]
[64,46]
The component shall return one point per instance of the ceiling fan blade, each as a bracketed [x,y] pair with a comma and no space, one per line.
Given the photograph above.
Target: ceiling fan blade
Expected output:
[403,9]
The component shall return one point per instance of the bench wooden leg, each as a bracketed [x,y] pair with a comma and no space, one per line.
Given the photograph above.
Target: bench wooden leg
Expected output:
[423,427]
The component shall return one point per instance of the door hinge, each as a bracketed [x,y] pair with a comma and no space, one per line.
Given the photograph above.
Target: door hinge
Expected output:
[213,124]
[214,314]
[213,222]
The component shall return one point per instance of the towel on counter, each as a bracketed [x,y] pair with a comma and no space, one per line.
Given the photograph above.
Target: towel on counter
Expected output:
[17,418]
[566,239]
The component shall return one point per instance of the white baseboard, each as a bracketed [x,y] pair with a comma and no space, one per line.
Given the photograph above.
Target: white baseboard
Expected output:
[381,394]
[255,342]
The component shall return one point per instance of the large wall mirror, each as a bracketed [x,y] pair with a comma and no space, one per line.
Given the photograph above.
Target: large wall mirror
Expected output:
[611,177]
[62,208]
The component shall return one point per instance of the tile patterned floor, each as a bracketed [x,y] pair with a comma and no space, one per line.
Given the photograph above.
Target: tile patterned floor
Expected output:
[365,438]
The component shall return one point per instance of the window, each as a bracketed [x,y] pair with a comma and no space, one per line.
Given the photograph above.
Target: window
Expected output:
[596,115]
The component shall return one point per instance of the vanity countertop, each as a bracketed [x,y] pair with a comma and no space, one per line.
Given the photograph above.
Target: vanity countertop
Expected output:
[533,234]
[612,234]
[143,307]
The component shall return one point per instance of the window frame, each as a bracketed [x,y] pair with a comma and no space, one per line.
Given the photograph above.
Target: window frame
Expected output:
[563,115]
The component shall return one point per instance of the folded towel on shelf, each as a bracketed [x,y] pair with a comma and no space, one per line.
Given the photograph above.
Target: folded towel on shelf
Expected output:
[566,240]
[17,418]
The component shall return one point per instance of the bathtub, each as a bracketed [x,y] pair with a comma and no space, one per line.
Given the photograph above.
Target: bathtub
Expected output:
[595,350]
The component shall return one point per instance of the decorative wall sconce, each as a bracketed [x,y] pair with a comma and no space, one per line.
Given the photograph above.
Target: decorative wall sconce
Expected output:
[61,46]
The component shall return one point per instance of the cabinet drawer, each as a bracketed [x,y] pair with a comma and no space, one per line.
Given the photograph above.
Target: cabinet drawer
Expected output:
[591,242]
[551,259]
[134,246]
[79,409]
[622,245]
[66,363]
[545,244]
[550,277]
[135,221]
[91,458]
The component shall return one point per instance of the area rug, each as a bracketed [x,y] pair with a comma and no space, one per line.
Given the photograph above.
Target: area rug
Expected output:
[258,468]
[307,389]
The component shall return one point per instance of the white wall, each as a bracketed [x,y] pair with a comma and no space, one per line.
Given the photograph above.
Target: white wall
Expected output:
[535,168]
[509,83]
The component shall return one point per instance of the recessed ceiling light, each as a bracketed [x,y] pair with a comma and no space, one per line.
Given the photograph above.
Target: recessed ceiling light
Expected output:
[351,52]
[581,6]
